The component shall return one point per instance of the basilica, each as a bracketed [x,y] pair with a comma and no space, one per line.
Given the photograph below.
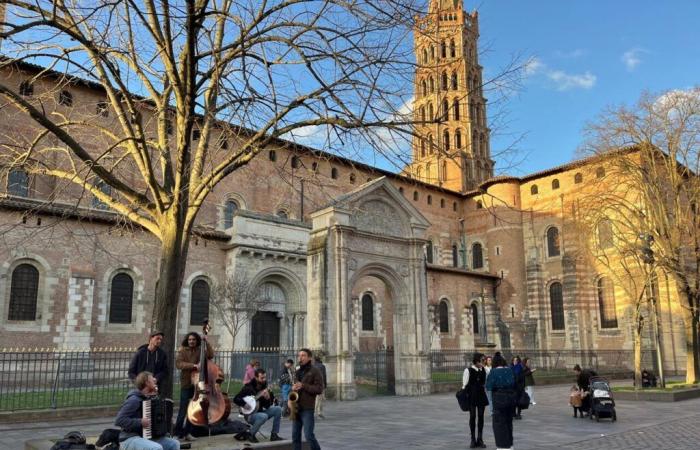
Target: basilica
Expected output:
[349,257]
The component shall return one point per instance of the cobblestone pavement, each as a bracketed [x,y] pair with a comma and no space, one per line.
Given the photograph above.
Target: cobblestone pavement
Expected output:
[435,422]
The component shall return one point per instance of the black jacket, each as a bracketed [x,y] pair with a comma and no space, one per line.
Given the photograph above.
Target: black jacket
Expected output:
[155,362]
[253,389]
[475,387]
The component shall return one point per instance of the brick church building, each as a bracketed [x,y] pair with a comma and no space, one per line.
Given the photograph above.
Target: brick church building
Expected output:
[350,257]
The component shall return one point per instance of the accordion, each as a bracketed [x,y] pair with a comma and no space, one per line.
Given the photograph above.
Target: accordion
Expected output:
[160,412]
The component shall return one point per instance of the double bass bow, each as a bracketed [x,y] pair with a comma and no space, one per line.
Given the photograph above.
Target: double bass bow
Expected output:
[208,405]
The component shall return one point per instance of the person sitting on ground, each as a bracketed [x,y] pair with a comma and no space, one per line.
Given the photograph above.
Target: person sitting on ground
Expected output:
[131,422]
[267,409]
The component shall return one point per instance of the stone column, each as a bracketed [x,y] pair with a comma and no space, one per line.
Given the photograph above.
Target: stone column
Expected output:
[75,328]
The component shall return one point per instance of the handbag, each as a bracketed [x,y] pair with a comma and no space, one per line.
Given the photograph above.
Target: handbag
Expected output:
[524,400]
[463,399]
[503,399]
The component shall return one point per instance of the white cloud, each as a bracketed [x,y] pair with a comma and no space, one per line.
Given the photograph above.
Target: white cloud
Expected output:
[561,80]
[632,58]
[565,81]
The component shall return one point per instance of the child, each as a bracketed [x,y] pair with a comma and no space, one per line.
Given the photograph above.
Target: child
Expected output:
[575,400]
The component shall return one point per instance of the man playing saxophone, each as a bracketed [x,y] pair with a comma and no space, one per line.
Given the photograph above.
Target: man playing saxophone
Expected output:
[308,384]
[266,410]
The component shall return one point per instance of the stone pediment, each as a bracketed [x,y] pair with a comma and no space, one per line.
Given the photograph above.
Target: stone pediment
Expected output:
[376,207]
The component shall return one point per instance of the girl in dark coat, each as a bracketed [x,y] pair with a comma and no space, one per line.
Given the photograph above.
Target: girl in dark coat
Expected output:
[501,382]
[474,379]
[519,375]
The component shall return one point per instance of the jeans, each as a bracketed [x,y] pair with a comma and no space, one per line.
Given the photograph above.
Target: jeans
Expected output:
[182,425]
[286,389]
[139,443]
[305,419]
[259,418]
[531,392]
[490,397]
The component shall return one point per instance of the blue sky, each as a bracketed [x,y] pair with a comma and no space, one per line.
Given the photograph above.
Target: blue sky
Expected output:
[587,55]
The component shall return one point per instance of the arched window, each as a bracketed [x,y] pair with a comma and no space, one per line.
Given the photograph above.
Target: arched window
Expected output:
[105,189]
[367,313]
[475,318]
[477,256]
[425,56]
[24,290]
[454,81]
[428,170]
[295,162]
[443,49]
[606,303]
[431,144]
[455,109]
[445,110]
[415,195]
[533,190]
[334,173]
[479,204]
[424,88]
[353,178]
[556,306]
[444,317]
[605,234]
[454,206]
[422,148]
[444,80]
[429,252]
[431,84]
[26,88]
[555,184]
[102,109]
[446,140]
[65,98]
[453,49]
[18,183]
[442,200]
[230,209]
[419,173]
[443,177]
[578,178]
[600,172]
[422,113]
[430,197]
[431,112]
[458,139]
[432,52]
[199,302]
[455,256]
[121,299]
[282,214]
[553,245]
[272,155]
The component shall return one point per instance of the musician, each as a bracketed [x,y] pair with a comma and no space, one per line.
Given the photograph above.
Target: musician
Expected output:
[150,357]
[188,361]
[309,384]
[131,422]
[266,410]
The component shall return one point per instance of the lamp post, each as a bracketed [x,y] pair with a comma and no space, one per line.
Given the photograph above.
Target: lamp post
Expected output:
[647,253]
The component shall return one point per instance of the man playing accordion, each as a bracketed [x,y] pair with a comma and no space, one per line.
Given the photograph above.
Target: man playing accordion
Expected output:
[132,423]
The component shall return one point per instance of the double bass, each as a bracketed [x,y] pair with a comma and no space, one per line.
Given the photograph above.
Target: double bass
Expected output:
[209,405]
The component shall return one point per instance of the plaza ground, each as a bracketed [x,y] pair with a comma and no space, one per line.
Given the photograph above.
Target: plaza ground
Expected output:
[435,422]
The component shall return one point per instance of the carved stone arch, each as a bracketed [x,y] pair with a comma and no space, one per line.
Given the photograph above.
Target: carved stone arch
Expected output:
[377,215]
[290,283]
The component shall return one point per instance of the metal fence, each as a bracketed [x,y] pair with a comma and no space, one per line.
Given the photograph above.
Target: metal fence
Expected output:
[98,377]
[447,366]
[34,379]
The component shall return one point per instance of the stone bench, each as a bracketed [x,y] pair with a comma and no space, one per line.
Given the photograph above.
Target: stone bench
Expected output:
[220,442]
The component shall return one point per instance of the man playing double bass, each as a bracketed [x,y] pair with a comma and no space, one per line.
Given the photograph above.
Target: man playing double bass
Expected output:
[188,361]
[266,409]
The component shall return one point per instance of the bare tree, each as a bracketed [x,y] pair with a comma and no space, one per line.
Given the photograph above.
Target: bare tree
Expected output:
[649,170]
[236,301]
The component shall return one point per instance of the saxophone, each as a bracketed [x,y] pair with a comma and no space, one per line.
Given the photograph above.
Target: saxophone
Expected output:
[292,405]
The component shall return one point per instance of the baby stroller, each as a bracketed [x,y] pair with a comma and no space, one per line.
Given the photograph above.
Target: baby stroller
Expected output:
[602,402]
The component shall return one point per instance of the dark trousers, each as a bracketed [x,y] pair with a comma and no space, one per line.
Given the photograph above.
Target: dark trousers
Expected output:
[305,420]
[474,413]
[503,427]
[182,425]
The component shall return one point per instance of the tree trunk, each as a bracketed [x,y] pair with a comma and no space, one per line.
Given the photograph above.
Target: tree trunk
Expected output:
[173,260]
[639,325]
[690,325]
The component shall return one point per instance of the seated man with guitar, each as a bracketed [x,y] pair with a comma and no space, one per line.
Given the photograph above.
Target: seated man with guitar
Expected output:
[139,430]
[257,406]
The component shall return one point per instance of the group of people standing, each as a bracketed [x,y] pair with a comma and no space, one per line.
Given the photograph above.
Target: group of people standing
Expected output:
[491,381]
[149,367]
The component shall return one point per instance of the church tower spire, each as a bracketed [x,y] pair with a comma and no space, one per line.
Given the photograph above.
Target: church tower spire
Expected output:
[451,148]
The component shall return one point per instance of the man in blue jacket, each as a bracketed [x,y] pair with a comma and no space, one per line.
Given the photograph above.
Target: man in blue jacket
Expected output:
[131,422]
[151,358]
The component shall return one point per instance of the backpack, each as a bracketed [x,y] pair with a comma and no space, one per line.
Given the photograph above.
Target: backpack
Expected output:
[108,436]
[74,440]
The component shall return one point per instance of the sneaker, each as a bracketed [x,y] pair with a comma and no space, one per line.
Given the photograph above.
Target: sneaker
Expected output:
[275,437]
[187,438]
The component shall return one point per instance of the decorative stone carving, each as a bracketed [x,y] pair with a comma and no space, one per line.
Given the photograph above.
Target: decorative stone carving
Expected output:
[378,217]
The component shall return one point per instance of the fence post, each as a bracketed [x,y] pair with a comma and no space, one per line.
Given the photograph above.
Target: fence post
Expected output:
[54,389]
